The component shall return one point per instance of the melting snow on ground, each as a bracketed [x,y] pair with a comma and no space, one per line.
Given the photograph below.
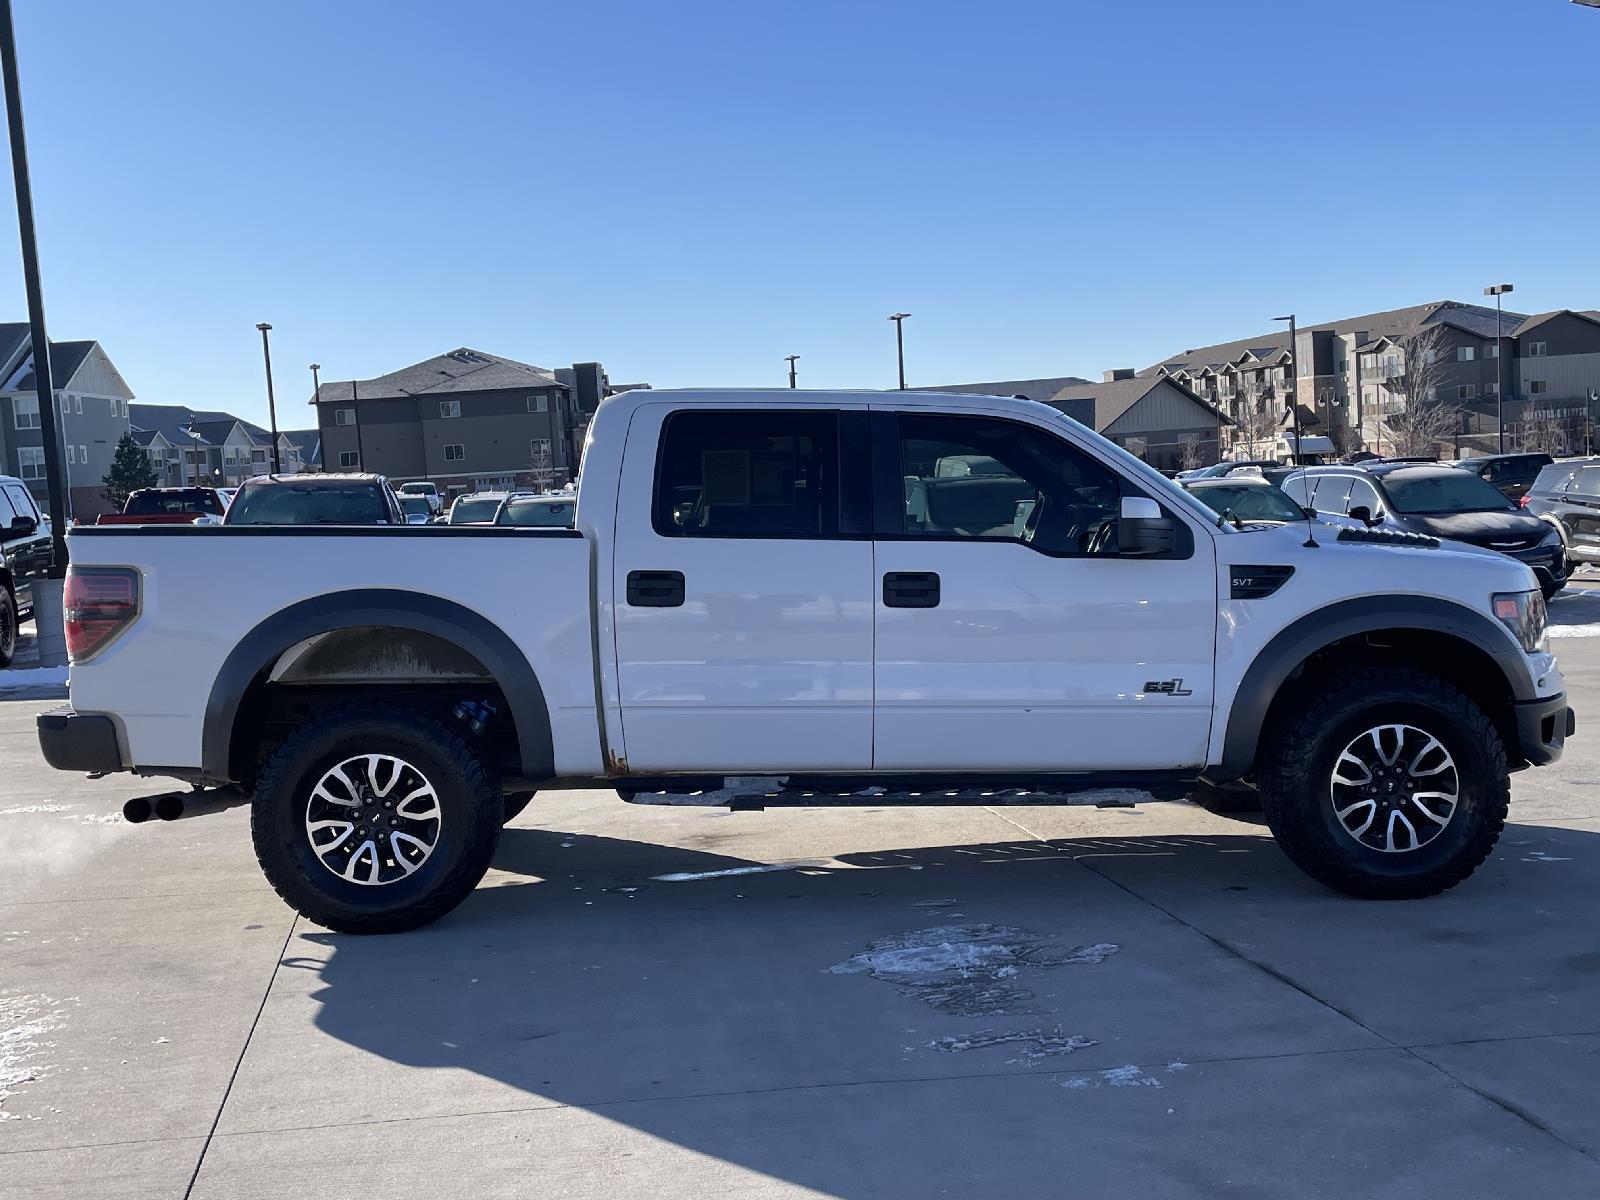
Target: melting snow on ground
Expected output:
[1128,1076]
[25,1022]
[32,677]
[727,872]
[1036,1044]
[967,970]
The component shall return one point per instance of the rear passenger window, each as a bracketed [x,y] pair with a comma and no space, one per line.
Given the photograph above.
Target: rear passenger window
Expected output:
[749,474]
[1297,490]
[1331,492]
[1587,482]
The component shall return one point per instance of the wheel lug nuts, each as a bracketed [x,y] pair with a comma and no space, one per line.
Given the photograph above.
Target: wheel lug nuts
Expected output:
[393,824]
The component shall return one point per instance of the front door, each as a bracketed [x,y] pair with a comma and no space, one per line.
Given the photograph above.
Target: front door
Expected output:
[1011,636]
[742,588]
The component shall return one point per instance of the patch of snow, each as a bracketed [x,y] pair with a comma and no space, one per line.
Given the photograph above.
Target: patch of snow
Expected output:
[32,677]
[112,818]
[24,1022]
[18,809]
[1175,1065]
[1541,856]
[1126,1076]
[728,872]
[1574,631]
[1042,1043]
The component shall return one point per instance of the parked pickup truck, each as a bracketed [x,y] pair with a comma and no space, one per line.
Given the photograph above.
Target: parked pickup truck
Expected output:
[778,597]
[167,506]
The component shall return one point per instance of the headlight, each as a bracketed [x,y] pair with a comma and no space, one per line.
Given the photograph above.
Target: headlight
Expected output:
[1523,613]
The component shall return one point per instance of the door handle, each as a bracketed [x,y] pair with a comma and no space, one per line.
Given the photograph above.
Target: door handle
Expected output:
[655,589]
[911,589]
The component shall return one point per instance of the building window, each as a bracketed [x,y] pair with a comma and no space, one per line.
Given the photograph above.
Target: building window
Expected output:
[1465,354]
[66,404]
[72,454]
[83,454]
[25,412]
[1369,362]
[1491,389]
[1491,349]
[347,459]
[1537,387]
[449,408]
[538,404]
[1342,367]
[1467,391]
[77,404]
[539,448]
[30,462]
[1536,349]
[344,416]
[454,452]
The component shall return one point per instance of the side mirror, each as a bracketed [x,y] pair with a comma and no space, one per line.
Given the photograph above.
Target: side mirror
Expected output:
[21,527]
[1310,513]
[1143,529]
[1363,514]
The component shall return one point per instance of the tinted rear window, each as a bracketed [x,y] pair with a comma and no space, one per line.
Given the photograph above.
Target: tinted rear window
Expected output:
[145,504]
[297,504]
[557,513]
[469,509]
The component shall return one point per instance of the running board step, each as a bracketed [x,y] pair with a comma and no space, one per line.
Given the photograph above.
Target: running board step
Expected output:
[750,793]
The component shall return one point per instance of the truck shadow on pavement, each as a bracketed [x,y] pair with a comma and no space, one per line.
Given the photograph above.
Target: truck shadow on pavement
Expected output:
[992,1019]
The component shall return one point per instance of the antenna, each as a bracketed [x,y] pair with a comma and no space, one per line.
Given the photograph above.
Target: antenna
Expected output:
[1311,542]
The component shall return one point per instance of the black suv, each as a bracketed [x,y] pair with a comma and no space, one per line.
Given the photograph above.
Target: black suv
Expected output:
[1439,500]
[1567,494]
[1513,474]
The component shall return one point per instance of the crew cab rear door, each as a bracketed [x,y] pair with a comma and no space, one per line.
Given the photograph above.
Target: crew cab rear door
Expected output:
[742,589]
[1011,635]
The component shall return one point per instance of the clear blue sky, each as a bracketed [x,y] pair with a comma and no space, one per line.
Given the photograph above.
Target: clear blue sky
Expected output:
[690,191]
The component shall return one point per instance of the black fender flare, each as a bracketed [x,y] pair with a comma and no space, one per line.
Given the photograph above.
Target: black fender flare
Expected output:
[1299,640]
[472,631]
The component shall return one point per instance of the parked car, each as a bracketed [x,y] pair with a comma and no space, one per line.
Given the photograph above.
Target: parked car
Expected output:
[226,495]
[429,491]
[166,506]
[1222,468]
[417,509]
[478,508]
[1438,500]
[1251,498]
[750,600]
[27,552]
[1567,495]
[352,499]
[1512,474]
[537,511]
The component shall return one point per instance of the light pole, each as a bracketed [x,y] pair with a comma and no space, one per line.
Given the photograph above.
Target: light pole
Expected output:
[316,382]
[789,358]
[900,345]
[1294,375]
[272,404]
[1497,290]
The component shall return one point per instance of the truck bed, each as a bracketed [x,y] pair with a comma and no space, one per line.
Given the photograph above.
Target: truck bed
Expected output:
[204,589]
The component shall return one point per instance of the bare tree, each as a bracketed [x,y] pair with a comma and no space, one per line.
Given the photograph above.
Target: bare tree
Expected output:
[1190,453]
[1256,423]
[541,467]
[1544,433]
[1427,419]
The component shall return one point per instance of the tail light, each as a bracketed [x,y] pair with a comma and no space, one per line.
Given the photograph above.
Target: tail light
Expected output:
[100,603]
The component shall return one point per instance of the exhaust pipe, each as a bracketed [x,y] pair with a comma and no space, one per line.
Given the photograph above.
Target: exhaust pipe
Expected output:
[172,806]
[138,810]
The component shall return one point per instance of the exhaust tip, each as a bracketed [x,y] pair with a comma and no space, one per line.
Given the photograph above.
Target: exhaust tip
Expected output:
[137,811]
[169,807]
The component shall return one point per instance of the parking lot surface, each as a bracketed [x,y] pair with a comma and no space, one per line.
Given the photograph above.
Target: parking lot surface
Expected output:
[666,1002]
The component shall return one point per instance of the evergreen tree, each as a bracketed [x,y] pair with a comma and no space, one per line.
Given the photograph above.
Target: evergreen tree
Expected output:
[130,470]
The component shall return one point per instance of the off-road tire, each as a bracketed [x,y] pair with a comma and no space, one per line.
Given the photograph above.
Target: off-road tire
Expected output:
[1297,761]
[469,829]
[8,627]
[515,802]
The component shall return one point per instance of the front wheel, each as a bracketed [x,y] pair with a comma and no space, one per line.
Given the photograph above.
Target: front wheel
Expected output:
[1386,784]
[375,819]
[8,627]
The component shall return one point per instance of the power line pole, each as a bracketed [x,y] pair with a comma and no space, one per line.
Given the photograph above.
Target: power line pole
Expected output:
[789,358]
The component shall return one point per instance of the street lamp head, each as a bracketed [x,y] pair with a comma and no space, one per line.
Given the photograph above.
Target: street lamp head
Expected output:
[1498,289]
[1290,317]
[263,326]
[898,316]
[316,366]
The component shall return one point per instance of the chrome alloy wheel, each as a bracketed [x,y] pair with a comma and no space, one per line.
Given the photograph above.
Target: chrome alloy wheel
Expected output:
[373,819]
[1395,788]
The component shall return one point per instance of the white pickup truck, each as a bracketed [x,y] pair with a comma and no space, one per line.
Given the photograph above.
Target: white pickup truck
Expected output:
[885,597]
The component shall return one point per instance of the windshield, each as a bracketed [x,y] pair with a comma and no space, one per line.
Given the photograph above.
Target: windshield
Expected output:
[1443,492]
[474,510]
[1250,502]
[410,505]
[303,504]
[536,513]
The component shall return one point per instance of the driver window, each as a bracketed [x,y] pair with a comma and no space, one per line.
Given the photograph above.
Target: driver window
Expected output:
[996,480]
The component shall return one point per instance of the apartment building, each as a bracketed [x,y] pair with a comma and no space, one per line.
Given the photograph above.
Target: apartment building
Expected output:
[1352,377]
[92,402]
[466,420]
[203,447]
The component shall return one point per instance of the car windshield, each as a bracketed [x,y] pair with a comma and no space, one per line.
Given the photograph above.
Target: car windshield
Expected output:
[308,504]
[471,509]
[412,504]
[1443,492]
[535,513]
[1250,502]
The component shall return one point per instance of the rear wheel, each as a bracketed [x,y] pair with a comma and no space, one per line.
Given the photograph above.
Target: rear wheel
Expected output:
[1387,784]
[375,819]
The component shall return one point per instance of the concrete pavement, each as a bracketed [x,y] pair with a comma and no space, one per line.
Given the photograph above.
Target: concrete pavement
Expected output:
[1152,1003]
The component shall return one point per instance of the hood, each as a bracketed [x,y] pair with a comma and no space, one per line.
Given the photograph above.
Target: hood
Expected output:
[1507,530]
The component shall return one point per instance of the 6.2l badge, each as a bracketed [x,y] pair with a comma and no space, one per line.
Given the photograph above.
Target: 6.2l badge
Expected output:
[1166,687]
